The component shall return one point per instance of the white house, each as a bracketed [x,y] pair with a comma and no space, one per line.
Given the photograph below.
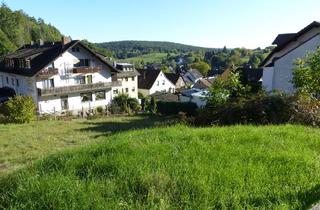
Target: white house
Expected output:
[152,81]
[60,76]
[278,66]
[129,79]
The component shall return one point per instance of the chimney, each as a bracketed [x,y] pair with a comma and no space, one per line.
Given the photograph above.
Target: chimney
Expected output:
[65,40]
[115,64]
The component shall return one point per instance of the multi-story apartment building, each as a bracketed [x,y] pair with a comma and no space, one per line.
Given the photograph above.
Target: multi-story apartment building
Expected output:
[61,76]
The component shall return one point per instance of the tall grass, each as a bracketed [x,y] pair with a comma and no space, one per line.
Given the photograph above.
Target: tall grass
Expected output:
[271,167]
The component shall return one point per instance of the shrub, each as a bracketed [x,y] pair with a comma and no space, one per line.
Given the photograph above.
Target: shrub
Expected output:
[19,109]
[306,74]
[153,105]
[99,110]
[306,110]
[223,90]
[254,109]
[115,109]
[173,108]
[133,105]
[126,104]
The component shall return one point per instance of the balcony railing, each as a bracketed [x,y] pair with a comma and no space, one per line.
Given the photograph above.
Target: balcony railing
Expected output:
[78,88]
[45,74]
[86,70]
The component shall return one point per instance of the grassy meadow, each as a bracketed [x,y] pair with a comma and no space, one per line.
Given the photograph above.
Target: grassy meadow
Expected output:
[157,166]
[147,58]
[22,144]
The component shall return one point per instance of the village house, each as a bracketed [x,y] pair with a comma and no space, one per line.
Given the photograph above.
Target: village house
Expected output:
[177,80]
[62,76]
[128,76]
[191,76]
[152,81]
[278,66]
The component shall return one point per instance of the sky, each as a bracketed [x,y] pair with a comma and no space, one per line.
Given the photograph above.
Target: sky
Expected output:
[206,23]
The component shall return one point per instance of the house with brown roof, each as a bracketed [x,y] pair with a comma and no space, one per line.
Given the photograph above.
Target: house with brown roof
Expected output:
[177,80]
[204,83]
[278,66]
[153,81]
[61,76]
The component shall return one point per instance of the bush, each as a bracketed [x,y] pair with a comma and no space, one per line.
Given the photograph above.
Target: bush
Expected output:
[173,108]
[153,105]
[115,109]
[124,104]
[306,110]
[19,109]
[99,110]
[133,105]
[254,109]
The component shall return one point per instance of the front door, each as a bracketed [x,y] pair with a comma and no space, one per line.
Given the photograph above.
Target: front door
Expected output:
[64,103]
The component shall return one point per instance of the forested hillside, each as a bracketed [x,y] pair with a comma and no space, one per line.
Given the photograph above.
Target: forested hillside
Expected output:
[17,29]
[130,49]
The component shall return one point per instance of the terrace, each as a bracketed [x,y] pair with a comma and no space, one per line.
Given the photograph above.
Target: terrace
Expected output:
[78,88]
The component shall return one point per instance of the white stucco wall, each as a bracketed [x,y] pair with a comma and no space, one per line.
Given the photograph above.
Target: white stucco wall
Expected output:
[25,87]
[303,38]
[67,61]
[131,85]
[267,78]
[162,84]
[52,104]
[283,67]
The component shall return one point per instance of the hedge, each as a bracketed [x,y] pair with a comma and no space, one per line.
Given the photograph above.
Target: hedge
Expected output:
[173,108]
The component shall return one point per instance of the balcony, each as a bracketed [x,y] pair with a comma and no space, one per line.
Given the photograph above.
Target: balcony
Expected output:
[47,73]
[86,70]
[78,88]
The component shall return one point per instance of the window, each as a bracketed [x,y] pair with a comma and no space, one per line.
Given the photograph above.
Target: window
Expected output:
[115,91]
[12,81]
[126,79]
[132,78]
[75,49]
[89,79]
[17,82]
[83,63]
[80,80]
[49,83]
[51,66]
[100,95]
[133,89]
[86,97]
[127,90]
[7,79]
[158,83]
[163,82]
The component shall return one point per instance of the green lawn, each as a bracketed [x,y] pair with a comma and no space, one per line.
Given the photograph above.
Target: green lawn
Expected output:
[166,167]
[21,144]
[148,58]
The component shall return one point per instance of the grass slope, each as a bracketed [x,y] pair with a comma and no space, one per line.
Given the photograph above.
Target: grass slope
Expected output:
[147,58]
[22,144]
[176,167]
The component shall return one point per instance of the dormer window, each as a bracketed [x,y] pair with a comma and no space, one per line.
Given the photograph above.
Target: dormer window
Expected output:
[83,63]
[75,49]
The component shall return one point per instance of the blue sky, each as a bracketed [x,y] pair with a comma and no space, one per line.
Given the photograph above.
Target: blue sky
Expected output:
[208,23]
